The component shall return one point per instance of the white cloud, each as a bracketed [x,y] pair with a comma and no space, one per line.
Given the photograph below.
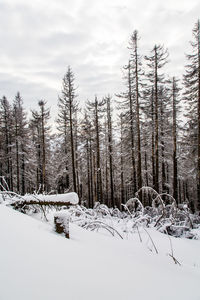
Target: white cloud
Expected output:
[39,39]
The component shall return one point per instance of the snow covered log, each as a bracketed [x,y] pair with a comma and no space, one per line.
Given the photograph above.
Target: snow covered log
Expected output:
[46,200]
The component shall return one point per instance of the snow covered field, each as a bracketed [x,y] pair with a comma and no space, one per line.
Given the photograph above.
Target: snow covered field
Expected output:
[38,264]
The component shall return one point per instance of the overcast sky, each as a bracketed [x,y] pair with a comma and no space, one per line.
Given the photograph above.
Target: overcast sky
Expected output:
[40,38]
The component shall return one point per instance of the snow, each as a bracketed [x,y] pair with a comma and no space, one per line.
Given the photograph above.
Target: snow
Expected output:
[69,197]
[38,264]
[72,198]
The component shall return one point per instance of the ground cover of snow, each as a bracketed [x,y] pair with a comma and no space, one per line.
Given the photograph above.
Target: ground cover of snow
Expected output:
[38,264]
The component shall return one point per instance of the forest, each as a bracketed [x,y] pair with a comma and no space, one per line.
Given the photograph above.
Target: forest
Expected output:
[146,136]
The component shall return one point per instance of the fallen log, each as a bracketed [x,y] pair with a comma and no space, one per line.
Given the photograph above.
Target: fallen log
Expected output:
[45,200]
[21,203]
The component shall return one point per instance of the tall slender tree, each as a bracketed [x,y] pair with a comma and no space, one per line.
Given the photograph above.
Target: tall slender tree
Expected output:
[155,62]
[96,110]
[41,129]
[110,150]
[137,85]
[21,141]
[67,112]
[175,110]
[192,97]
[7,137]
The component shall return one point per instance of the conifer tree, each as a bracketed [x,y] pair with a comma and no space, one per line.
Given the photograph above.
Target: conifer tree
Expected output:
[175,110]
[66,122]
[96,109]
[41,132]
[110,150]
[155,62]
[7,139]
[192,98]
[137,86]
[21,141]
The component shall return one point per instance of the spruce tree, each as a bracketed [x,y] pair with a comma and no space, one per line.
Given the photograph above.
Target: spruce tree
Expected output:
[66,123]
[156,61]
[192,98]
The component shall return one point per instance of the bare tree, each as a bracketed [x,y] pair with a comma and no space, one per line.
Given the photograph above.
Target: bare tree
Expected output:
[192,97]
[155,62]
[67,113]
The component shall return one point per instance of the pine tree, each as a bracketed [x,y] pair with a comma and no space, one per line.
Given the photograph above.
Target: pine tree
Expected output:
[96,109]
[20,137]
[7,139]
[175,110]
[192,97]
[66,123]
[41,132]
[137,86]
[87,157]
[122,198]
[126,106]
[155,62]
[110,150]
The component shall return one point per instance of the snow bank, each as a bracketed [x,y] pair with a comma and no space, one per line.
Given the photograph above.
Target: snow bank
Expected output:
[37,264]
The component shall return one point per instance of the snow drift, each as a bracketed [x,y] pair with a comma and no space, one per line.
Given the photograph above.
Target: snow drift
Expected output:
[37,264]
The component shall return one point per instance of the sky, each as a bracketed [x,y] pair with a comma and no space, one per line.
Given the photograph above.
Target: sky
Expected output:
[41,38]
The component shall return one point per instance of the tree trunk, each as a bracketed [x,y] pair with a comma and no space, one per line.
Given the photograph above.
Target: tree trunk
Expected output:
[99,179]
[156,123]
[132,129]
[163,171]
[110,151]
[88,174]
[23,174]
[43,155]
[139,169]
[72,148]
[121,162]
[153,140]
[175,172]
[198,176]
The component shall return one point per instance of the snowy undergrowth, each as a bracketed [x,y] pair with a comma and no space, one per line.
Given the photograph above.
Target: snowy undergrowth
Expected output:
[36,263]
[136,223]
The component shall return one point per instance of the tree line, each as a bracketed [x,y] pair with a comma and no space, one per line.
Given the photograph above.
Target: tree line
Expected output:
[147,135]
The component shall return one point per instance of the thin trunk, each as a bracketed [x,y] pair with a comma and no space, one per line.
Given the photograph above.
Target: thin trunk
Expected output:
[156,123]
[153,140]
[147,197]
[139,169]
[99,179]
[17,151]
[163,171]
[17,162]
[72,147]
[23,174]
[91,170]
[110,150]
[88,174]
[180,191]
[106,197]
[95,177]
[122,162]
[7,150]
[76,159]
[175,172]
[198,184]
[107,200]
[43,152]
[11,172]
[132,129]
[66,183]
